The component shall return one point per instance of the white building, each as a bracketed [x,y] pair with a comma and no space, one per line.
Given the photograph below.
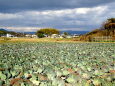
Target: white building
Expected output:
[61,37]
[28,35]
[31,36]
[34,36]
[68,36]
[75,35]
[9,35]
[55,36]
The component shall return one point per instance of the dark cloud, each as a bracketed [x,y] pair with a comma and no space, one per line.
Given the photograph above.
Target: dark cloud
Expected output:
[61,14]
[74,19]
[22,5]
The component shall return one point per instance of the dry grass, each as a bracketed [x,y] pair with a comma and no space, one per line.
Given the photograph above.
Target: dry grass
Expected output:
[39,40]
[74,40]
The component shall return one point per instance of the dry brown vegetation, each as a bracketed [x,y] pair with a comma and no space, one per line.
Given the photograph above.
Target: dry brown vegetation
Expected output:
[13,40]
[107,29]
[98,33]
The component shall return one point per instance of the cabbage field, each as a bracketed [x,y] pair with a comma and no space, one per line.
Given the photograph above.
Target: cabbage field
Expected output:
[57,64]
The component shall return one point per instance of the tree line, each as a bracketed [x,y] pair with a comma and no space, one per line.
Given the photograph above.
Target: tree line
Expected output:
[47,32]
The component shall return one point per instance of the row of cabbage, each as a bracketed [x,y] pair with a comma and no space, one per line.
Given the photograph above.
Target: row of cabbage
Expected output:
[57,64]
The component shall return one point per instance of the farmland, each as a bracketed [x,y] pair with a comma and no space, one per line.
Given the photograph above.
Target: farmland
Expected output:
[12,40]
[57,64]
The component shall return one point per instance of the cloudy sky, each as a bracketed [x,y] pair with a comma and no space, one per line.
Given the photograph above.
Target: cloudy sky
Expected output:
[31,15]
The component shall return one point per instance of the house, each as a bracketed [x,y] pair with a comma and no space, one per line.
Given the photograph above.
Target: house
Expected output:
[68,36]
[34,36]
[75,35]
[9,35]
[31,35]
[28,35]
[55,36]
[65,36]
[61,37]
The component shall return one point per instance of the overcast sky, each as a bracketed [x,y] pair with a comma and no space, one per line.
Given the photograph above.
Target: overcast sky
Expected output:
[31,15]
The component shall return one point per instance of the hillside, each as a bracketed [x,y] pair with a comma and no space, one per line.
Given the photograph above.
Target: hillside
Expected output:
[106,30]
[4,32]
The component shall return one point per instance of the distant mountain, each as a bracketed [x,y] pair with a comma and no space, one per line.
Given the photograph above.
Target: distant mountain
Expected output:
[75,32]
[2,29]
[68,31]
[29,32]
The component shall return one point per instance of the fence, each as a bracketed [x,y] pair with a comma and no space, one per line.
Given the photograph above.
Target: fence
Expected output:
[102,38]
